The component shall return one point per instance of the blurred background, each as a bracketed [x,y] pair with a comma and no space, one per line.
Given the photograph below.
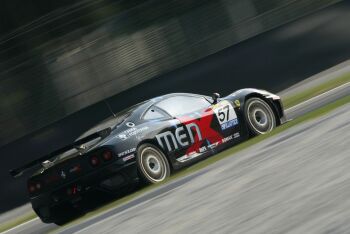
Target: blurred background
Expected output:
[61,62]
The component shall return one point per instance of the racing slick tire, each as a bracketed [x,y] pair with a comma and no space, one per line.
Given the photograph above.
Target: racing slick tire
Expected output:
[259,116]
[153,165]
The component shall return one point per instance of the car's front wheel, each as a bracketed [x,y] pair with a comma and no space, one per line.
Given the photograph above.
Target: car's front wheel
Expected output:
[259,116]
[152,164]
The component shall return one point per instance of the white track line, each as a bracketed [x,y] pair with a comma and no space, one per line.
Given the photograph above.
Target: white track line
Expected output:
[20,225]
[318,96]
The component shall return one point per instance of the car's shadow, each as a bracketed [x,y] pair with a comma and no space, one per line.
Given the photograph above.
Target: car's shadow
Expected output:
[94,200]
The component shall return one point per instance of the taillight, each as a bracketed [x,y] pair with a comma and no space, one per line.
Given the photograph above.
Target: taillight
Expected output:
[31,188]
[94,160]
[101,157]
[75,189]
[107,155]
[34,187]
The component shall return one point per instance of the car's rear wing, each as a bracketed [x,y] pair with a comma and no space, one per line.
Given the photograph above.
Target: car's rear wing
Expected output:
[19,171]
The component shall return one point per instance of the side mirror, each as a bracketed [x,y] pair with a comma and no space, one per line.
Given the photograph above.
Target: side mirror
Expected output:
[215,97]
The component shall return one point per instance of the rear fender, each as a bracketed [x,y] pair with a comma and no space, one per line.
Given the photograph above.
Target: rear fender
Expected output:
[172,161]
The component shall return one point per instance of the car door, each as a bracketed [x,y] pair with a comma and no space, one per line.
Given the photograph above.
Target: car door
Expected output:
[195,132]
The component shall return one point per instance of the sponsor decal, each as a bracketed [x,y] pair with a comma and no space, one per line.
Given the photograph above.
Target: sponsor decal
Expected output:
[230,138]
[212,146]
[130,124]
[225,114]
[188,156]
[121,154]
[183,137]
[207,132]
[229,124]
[128,157]
[130,132]
[202,149]
[237,103]
[226,139]
[122,136]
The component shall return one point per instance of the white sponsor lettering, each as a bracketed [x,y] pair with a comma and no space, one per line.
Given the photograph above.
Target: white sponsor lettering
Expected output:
[202,149]
[121,154]
[212,146]
[131,132]
[226,139]
[188,156]
[183,136]
[128,157]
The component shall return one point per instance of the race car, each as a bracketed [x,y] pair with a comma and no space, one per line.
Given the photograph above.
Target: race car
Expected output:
[146,143]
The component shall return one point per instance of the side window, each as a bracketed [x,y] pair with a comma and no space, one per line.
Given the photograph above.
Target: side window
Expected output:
[153,113]
[180,105]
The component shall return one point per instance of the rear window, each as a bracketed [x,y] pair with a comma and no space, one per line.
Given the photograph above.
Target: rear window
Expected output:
[111,121]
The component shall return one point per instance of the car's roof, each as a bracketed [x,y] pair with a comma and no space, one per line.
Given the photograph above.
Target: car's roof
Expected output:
[176,94]
[139,107]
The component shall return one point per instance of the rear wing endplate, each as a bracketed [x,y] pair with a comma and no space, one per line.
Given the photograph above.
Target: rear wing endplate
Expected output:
[19,171]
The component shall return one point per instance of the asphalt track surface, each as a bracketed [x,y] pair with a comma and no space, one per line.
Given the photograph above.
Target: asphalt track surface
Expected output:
[297,182]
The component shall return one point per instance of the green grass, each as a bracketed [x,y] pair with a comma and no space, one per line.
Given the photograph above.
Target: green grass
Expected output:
[215,158]
[291,101]
[312,92]
[17,221]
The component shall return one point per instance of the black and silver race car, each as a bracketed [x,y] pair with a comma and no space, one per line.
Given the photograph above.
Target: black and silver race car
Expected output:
[147,142]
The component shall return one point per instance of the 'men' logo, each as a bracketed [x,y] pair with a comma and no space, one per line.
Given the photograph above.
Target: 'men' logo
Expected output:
[183,137]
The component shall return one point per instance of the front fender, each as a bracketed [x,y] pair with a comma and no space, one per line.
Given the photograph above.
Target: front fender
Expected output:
[242,95]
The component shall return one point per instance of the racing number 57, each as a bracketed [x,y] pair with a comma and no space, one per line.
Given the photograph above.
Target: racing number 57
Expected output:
[224,113]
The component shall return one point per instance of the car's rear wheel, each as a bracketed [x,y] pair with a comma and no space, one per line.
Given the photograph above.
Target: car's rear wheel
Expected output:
[259,116]
[152,164]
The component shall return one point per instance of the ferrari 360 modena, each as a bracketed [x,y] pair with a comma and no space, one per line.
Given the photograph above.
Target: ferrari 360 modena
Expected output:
[146,143]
